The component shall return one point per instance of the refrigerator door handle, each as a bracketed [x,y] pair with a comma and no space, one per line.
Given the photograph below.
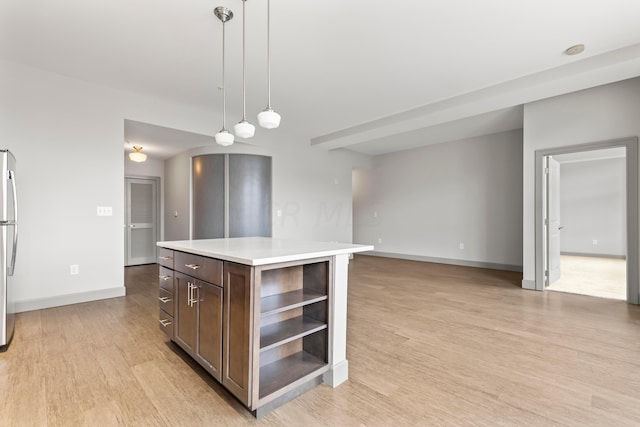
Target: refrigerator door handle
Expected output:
[12,177]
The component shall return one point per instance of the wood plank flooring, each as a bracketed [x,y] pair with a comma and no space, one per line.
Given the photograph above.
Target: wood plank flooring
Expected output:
[428,344]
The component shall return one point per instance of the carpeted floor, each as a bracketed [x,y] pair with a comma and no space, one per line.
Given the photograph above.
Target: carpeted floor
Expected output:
[599,277]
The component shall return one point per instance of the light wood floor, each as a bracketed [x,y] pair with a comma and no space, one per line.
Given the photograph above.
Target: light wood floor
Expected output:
[428,344]
[598,277]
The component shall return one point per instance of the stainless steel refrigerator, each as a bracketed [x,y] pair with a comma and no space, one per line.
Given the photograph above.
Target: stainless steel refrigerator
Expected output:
[8,245]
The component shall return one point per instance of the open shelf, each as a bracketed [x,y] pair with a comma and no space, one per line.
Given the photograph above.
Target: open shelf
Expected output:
[289,300]
[289,330]
[283,372]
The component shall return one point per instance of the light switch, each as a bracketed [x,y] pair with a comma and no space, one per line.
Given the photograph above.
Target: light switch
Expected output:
[105,211]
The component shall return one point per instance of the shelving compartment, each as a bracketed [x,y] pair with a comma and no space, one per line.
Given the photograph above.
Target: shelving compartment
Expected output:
[293,325]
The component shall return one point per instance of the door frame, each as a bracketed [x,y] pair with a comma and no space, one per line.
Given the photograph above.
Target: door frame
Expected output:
[158,194]
[549,182]
[633,235]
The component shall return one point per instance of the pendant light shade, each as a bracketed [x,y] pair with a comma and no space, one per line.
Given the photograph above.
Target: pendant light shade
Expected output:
[224,137]
[244,129]
[268,118]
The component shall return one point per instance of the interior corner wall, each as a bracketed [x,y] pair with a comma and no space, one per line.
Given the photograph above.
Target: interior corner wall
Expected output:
[67,136]
[598,114]
[593,208]
[423,203]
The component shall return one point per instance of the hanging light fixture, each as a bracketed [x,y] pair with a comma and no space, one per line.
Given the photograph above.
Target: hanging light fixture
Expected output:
[268,118]
[243,128]
[224,137]
[137,155]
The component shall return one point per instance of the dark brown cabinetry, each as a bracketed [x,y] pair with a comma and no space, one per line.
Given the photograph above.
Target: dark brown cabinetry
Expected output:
[166,298]
[262,331]
[238,301]
[198,318]
[292,340]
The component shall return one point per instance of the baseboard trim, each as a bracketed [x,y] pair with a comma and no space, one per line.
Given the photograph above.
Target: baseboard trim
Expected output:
[338,374]
[60,300]
[529,284]
[594,255]
[461,262]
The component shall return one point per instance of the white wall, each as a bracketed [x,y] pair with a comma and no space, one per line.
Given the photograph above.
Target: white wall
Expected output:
[592,207]
[597,114]
[311,187]
[148,168]
[424,202]
[68,137]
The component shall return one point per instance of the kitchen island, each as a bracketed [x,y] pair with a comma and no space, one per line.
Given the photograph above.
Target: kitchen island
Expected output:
[266,317]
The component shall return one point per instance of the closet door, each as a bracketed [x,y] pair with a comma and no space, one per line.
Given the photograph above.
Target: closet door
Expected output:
[208,196]
[249,195]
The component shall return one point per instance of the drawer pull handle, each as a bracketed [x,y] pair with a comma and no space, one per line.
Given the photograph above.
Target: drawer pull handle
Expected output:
[165,277]
[165,299]
[165,322]
[193,266]
[165,258]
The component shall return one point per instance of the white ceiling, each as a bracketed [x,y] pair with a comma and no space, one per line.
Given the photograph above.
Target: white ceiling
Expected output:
[367,75]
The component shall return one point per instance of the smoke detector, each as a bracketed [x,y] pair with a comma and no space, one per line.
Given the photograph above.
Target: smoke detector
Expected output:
[574,50]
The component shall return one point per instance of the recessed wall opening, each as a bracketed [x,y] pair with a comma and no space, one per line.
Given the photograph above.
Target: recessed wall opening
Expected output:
[586,223]
[621,239]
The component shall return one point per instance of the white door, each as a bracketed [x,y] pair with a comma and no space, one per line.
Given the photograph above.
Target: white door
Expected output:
[141,221]
[553,220]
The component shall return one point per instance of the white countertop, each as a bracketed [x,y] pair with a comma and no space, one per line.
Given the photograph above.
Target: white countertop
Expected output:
[262,250]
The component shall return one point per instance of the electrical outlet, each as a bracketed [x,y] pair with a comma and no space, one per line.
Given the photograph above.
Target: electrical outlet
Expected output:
[461,246]
[74,269]
[379,239]
[595,241]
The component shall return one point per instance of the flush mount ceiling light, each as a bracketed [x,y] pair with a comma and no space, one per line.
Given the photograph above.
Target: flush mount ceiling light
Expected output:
[137,155]
[574,50]
[268,118]
[224,137]
[243,128]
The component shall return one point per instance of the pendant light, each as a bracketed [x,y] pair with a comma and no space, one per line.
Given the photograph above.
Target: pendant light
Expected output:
[224,137]
[268,118]
[243,128]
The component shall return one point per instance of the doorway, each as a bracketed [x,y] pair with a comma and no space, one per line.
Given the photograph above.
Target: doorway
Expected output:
[585,223]
[141,220]
[631,193]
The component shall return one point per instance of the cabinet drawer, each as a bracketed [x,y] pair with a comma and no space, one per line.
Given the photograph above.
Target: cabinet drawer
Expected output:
[165,257]
[166,324]
[166,301]
[165,279]
[203,268]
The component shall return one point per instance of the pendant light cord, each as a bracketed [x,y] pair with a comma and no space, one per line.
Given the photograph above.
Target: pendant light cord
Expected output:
[244,62]
[268,54]
[224,89]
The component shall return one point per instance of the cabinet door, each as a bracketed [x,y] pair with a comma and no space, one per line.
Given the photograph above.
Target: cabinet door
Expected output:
[238,306]
[185,331]
[209,351]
